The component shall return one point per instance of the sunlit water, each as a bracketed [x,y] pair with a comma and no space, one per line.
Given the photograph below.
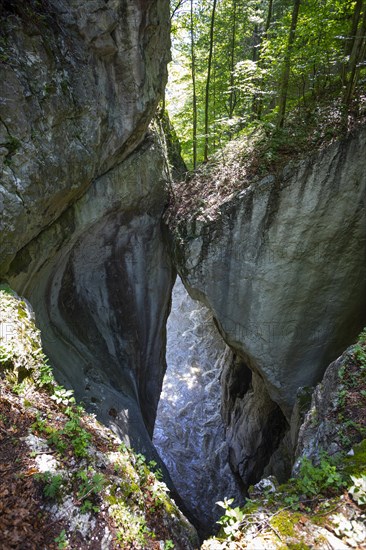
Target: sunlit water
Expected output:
[189,433]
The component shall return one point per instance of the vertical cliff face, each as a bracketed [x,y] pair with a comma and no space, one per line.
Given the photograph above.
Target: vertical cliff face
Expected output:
[82,193]
[283,270]
[100,280]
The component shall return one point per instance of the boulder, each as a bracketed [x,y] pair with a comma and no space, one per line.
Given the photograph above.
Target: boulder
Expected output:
[79,84]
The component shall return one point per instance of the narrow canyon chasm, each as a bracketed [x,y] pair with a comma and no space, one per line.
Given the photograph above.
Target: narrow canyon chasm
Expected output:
[189,431]
[207,383]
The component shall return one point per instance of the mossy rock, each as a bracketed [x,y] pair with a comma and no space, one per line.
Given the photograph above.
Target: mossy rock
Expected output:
[21,358]
[284,522]
[355,465]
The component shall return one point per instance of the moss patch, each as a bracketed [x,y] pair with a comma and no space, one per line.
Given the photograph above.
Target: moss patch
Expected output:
[284,522]
[356,464]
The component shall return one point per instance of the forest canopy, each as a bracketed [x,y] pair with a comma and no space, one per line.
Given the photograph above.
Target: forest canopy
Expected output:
[240,63]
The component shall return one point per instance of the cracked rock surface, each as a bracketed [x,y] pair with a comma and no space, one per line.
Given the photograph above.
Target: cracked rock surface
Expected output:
[82,192]
[79,83]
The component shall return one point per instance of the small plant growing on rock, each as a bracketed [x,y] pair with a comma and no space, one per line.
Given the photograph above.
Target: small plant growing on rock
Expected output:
[360,350]
[315,480]
[53,484]
[75,433]
[232,517]
[91,483]
[62,396]
[358,489]
[61,540]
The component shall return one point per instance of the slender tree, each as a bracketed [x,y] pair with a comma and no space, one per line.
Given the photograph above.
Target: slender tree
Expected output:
[208,80]
[194,89]
[302,53]
[257,104]
[232,94]
[268,19]
[350,40]
[287,65]
[357,52]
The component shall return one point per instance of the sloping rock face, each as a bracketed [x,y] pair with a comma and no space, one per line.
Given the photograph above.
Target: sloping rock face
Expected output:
[82,193]
[100,279]
[283,271]
[189,431]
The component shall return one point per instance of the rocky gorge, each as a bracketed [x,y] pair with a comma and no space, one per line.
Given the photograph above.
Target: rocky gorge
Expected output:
[279,273]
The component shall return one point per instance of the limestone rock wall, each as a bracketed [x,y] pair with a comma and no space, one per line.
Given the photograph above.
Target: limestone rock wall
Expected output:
[82,191]
[100,279]
[79,83]
[283,272]
[335,420]
[255,425]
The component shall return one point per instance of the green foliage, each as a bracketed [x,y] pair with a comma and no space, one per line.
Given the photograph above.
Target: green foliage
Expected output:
[61,540]
[360,350]
[316,480]
[72,433]
[250,49]
[52,434]
[45,379]
[21,355]
[6,355]
[6,289]
[355,464]
[132,528]
[52,484]
[62,396]
[152,465]
[231,519]
[90,484]
[77,435]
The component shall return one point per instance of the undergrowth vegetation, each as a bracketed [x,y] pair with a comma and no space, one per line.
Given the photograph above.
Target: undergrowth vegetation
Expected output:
[262,149]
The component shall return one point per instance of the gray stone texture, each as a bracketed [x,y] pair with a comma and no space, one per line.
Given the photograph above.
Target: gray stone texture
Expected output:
[283,270]
[79,83]
[99,279]
[82,190]
[324,428]
[283,267]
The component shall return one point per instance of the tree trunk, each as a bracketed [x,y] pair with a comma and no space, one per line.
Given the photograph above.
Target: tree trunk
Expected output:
[268,20]
[287,65]
[209,65]
[355,58]
[351,39]
[257,104]
[232,96]
[194,91]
